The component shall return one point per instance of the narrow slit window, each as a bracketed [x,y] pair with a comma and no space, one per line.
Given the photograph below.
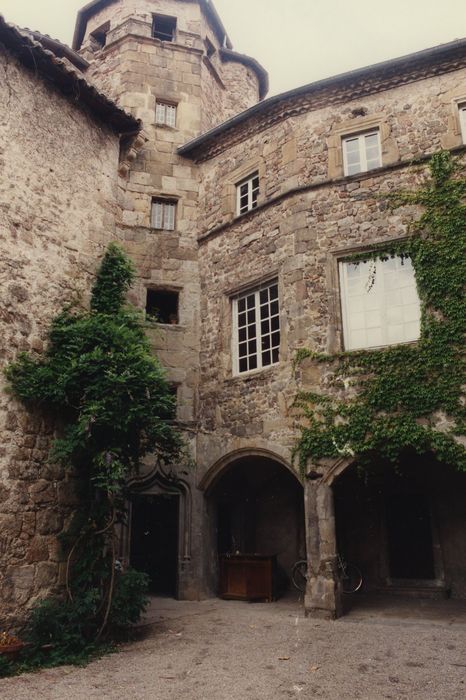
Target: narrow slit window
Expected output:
[209,48]
[380,303]
[163,214]
[256,341]
[361,152]
[247,194]
[165,113]
[164,27]
[162,306]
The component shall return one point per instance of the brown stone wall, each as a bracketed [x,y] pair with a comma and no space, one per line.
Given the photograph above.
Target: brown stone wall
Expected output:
[58,203]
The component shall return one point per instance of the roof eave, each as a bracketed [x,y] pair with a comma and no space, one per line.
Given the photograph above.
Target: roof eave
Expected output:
[403,63]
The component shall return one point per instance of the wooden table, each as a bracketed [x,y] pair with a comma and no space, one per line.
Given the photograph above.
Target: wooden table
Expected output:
[247,577]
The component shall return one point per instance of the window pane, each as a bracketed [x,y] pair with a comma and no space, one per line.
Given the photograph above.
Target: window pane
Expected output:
[379,303]
[171,115]
[160,113]
[253,362]
[266,359]
[169,217]
[243,365]
[273,291]
[241,304]
[264,296]
[242,335]
[157,215]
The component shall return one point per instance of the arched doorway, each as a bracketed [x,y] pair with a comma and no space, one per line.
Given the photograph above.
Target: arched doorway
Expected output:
[404,525]
[256,510]
[157,539]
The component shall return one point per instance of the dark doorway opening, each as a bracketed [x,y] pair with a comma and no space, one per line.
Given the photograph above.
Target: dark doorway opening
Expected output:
[409,535]
[257,510]
[154,541]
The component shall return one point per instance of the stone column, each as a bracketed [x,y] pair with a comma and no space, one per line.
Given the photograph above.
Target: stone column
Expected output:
[323,596]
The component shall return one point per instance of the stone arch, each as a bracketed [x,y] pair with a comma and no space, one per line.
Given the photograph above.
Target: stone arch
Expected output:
[336,469]
[217,469]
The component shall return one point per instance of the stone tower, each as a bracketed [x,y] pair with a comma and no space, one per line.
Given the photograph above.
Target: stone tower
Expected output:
[171,64]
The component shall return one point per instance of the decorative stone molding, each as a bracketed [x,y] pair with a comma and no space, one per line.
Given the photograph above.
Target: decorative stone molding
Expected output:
[130,151]
[453,137]
[357,125]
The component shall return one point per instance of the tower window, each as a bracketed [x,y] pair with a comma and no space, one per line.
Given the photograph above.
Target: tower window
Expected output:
[165,113]
[164,28]
[247,193]
[99,36]
[162,306]
[163,214]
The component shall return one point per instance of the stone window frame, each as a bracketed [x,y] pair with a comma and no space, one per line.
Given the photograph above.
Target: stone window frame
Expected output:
[234,178]
[171,288]
[226,364]
[376,122]
[172,104]
[456,132]
[164,199]
[259,334]
[164,17]
[335,340]
[408,328]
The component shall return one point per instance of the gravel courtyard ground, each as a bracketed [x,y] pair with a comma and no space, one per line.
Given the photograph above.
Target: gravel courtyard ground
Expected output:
[219,650]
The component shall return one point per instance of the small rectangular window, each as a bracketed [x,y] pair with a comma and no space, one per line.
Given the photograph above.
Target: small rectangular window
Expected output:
[247,194]
[380,303]
[165,113]
[361,152]
[256,338]
[99,35]
[462,116]
[164,27]
[163,214]
[162,306]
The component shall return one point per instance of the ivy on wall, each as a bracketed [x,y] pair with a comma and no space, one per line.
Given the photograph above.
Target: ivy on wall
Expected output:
[383,402]
[100,381]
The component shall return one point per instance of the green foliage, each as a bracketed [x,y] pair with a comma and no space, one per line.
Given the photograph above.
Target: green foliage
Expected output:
[130,598]
[7,668]
[100,380]
[386,401]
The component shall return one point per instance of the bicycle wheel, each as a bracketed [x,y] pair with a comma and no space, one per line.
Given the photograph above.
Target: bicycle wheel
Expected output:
[299,575]
[351,578]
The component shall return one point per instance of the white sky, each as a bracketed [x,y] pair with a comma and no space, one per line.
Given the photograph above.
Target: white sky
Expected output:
[297,41]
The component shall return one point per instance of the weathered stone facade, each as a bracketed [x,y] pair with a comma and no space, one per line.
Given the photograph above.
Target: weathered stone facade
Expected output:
[58,208]
[308,215]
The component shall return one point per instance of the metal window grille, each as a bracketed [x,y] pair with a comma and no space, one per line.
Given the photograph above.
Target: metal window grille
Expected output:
[256,340]
[247,194]
[361,152]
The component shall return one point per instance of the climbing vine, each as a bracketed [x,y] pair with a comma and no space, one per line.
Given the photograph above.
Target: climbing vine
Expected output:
[112,404]
[383,402]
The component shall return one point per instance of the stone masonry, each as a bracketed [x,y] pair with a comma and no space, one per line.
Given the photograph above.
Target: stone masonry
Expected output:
[83,190]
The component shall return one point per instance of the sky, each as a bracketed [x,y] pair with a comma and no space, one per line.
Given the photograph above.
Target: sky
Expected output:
[298,41]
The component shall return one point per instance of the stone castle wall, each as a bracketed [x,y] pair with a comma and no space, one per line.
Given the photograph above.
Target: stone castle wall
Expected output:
[58,204]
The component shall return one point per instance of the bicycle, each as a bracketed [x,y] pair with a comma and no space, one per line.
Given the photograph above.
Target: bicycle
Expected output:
[349,575]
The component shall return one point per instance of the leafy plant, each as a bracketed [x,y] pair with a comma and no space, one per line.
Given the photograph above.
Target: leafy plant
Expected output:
[102,383]
[399,395]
